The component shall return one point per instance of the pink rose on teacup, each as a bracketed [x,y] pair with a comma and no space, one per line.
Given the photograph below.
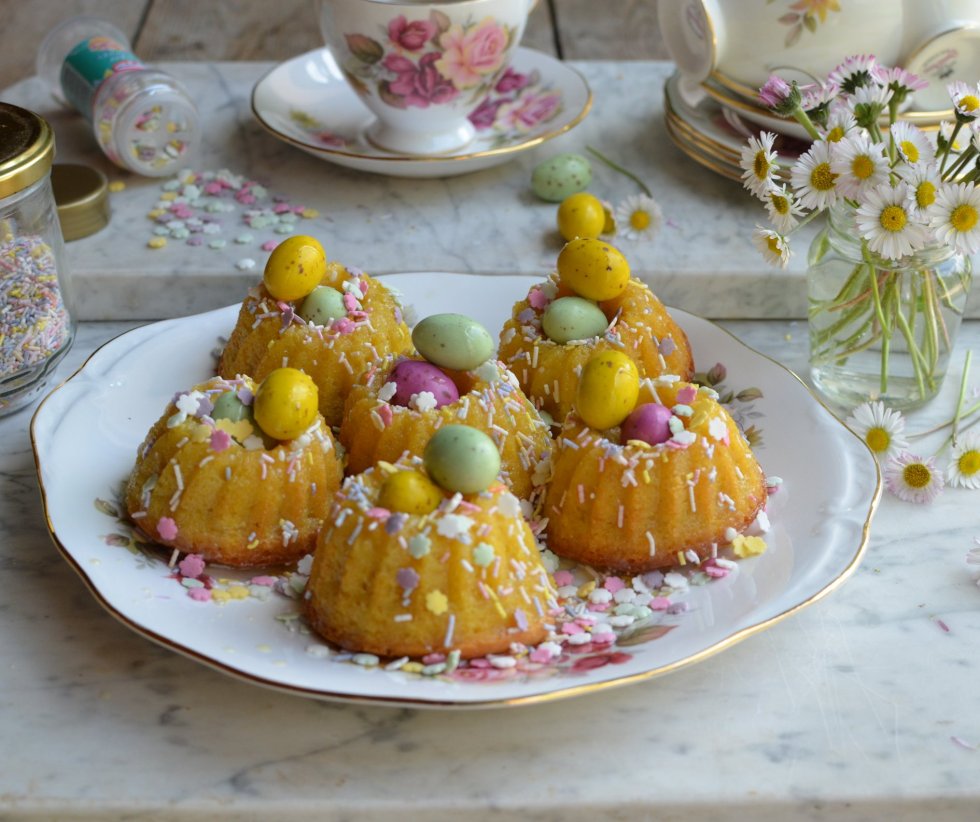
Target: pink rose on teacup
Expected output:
[470,55]
[419,85]
[528,111]
[411,36]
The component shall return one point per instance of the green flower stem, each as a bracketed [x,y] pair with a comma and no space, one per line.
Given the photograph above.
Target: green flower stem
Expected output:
[973,409]
[616,167]
[804,120]
[966,156]
[886,333]
[918,362]
[959,401]
[949,148]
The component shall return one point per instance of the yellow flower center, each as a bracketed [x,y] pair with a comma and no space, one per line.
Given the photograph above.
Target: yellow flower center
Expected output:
[822,178]
[964,217]
[761,165]
[969,463]
[969,102]
[910,150]
[773,244]
[925,194]
[916,475]
[893,218]
[878,440]
[640,220]
[862,167]
[779,203]
[835,135]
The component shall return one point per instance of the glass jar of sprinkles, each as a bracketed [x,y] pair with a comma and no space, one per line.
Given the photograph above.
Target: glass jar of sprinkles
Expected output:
[143,118]
[36,323]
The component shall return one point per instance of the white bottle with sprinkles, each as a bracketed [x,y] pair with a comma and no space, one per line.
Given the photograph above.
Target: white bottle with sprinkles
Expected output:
[142,117]
[36,324]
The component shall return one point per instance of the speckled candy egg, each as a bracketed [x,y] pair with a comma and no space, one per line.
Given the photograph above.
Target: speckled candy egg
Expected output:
[572,318]
[410,492]
[295,267]
[229,407]
[607,390]
[649,423]
[462,459]
[560,176]
[285,403]
[415,376]
[452,341]
[324,305]
[593,269]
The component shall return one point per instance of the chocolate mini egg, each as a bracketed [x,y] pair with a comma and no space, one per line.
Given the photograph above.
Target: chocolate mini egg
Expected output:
[295,267]
[452,341]
[323,305]
[649,423]
[415,376]
[229,407]
[462,459]
[410,492]
[572,318]
[286,403]
[593,269]
[607,389]
[558,177]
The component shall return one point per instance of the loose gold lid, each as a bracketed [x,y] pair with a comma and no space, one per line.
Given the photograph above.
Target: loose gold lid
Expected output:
[26,148]
[82,195]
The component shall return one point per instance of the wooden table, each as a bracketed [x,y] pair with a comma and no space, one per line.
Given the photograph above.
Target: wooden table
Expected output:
[247,30]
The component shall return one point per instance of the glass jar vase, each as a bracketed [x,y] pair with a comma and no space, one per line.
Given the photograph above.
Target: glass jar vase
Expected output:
[881,330]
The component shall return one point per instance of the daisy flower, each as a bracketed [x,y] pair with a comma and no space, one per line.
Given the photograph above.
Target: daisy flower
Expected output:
[869,102]
[773,245]
[881,429]
[913,479]
[639,217]
[901,82]
[966,100]
[923,184]
[859,164]
[964,463]
[817,99]
[889,225]
[955,216]
[812,178]
[840,123]
[911,143]
[758,164]
[780,96]
[945,134]
[854,72]
[783,208]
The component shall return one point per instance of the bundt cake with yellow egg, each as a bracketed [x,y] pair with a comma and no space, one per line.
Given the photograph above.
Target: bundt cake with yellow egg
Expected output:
[589,304]
[430,555]
[239,473]
[402,400]
[324,319]
[648,474]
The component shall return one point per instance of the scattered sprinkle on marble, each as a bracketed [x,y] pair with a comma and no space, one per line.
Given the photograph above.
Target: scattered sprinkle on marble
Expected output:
[245,264]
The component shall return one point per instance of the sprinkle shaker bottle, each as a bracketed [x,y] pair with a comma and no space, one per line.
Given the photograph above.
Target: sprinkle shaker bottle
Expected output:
[36,323]
[142,117]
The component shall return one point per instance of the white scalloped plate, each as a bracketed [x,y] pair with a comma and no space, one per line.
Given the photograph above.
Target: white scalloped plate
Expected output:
[85,436]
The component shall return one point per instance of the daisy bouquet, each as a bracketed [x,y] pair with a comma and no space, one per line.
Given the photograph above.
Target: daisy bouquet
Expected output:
[889,275]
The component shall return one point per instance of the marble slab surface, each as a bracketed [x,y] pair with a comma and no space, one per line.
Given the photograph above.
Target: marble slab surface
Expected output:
[486,222]
[862,707]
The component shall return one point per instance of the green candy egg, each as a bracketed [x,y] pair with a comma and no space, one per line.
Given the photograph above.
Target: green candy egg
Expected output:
[561,176]
[573,318]
[229,407]
[452,341]
[462,459]
[323,306]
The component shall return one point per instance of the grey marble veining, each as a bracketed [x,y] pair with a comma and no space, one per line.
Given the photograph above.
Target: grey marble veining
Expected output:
[857,708]
[486,222]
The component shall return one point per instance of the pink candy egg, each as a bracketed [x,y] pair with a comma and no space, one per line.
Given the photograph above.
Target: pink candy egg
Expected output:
[415,376]
[649,423]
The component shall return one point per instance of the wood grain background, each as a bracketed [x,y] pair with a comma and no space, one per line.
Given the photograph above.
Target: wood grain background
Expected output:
[263,30]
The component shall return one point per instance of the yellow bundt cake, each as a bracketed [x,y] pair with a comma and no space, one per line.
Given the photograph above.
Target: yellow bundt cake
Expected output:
[333,347]
[465,576]
[376,427]
[621,503]
[636,323]
[215,486]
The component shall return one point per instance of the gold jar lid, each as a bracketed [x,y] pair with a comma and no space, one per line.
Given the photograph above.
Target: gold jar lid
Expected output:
[26,148]
[82,196]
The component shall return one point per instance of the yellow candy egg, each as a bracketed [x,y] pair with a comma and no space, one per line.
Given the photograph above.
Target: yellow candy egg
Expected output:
[285,403]
[295,267]
[581,215]
[593,269]
[410,492]
[607,390]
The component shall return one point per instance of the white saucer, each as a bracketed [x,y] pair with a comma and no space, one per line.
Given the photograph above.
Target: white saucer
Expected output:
[307,102]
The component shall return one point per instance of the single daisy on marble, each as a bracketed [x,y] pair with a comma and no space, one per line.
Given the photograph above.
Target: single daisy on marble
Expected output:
[881,429]
[912,478]
[638,218]
[964,463]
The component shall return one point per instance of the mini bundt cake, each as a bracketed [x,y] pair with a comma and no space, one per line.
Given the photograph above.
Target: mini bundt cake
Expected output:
[563,321]
[397,405]
[327,320]
[408,568]
[208,480]
[675,477]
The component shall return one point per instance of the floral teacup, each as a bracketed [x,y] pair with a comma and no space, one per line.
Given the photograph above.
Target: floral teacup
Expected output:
[422,67]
